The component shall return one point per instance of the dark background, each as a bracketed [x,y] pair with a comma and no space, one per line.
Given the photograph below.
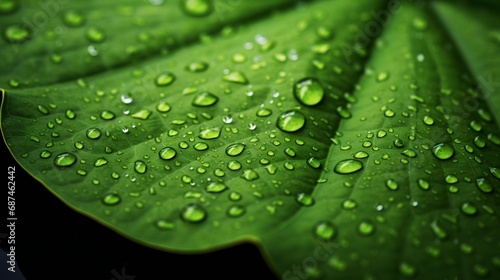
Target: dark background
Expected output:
[54,242]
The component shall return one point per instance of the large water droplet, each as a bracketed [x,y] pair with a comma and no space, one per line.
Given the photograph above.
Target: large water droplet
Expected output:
[234,165]
[443,151]
[167,153]
[495,172]
[205,99]
[291,121]
[468,208]
[250,175]
[197,8]
[348,166]
[235,149]
[165,79]
[309,91]
[193,213]
[65,160]
[200,146]
[8,6]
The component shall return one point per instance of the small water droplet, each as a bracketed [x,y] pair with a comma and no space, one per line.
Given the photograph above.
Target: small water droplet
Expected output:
[479,142]
[324,230]
[236,77]
[193,213]
[140,167]
[205,99]
[142,114]
[291,121]
[349,204]
[250,175]
[391,184]
[197,8]
[197,66]
[163,224]
[210,133]
[407,269]
[93,133]
[100,162]
[45,154]
[65,160]
[428,120]
[73,18]
[216,187]
[309,91]
[234,165]
[409,153]
[495,172]
[111,199]
[17,33]
[200,146]
[167,153]
[483,185]
[95,35]
[304,199]
[235,149]
[8,6]
[163,107]
[348,166]
[389,113]
[366,228]
[423,184]
[165,79]
[107,115]
[236,211]
[314,162]
[443,151]
[468,208]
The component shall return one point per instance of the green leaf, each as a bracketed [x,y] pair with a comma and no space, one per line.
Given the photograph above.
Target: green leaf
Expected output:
[347,139]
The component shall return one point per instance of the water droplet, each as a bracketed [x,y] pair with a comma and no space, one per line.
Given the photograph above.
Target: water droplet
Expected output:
[210,133]
[142,114]
[95,35]
[107,115]
[8,6]
[314,162]
[250,175]
[205,99]
[399,143]
[494,139]
[389,113]
[234,196]
[236,211]
[167,153]
[290,152]
[476,126]
[197,8]
[17,33]
[324,230]
[65,160]
[163,107]
[468,208]
[235,149]
[428,120]
[382,76]
[93,133]
[391,184]
[443,151]
[438,230]
[263,112]
[360,155]
[304,199]
[200,146]
[480,270]
[343,112]
[45,154]
[423,184]
[366,228]
[451,179]
[164,79]
[193,213]
[100,162]
[236,77]
[73,18]
[495,172]
[483,185]
[407,269]
[111,199]
[163,224]
[409,153]
[291,121]
[479,142]
[309,91]
[234,165]
[349,204]
[198,66]
[140,167]
[348,166]
[216,187]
